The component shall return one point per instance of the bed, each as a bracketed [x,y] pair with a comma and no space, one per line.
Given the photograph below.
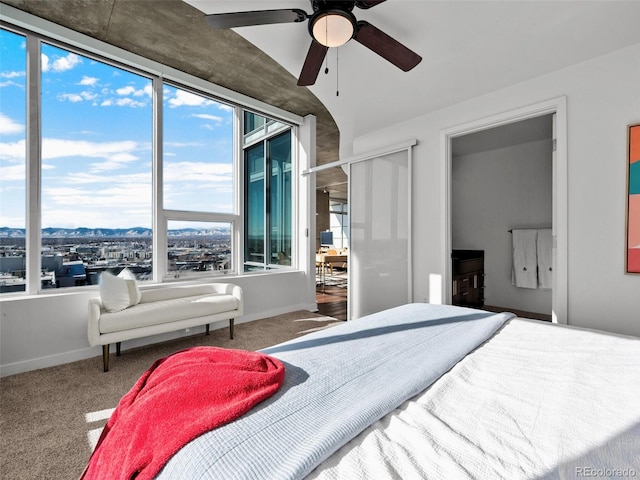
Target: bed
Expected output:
[430,391]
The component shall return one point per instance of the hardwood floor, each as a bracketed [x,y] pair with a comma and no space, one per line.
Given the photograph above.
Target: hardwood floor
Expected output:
[519,313]
[332,301]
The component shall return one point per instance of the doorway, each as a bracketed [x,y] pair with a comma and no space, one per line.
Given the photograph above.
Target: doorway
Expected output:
[332,250]
[501,189]
[556,110]
[379,274]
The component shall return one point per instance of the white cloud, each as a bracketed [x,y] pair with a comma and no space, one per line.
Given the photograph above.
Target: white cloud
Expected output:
[77,97]
[131,201]
[129,102]
[63,64]
[65,195]
[121,195]
[53,148]
[113,155]
[206,116]
[56,148]
[89,199]
[198,172]
[90,81]
[9,83]
[183,98]
[71,97]
[9,126]
[87,178]
[12,172]
[128,90]
[12,74]
[114,162]
[13,150]
[123,102]
[44,62]
[183,144]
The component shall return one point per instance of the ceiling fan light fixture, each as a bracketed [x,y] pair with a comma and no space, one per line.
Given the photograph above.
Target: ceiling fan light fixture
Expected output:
[333,28]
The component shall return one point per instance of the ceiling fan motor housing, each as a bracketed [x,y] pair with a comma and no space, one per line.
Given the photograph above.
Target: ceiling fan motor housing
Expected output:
[332,27]
[332,24]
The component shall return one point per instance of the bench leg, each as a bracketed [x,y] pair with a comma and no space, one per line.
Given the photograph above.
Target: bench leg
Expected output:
[207,333]
[231,322]
[105,357]
[118,349]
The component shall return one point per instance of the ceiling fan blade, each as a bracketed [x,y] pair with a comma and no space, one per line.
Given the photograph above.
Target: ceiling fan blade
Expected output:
[365,4]
[258,17]
[312,64]
[386,46]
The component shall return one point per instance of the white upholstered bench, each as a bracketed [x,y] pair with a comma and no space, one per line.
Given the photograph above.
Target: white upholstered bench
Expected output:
[162,310]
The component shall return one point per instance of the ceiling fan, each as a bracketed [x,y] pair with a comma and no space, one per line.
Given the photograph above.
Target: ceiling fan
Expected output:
[331,24]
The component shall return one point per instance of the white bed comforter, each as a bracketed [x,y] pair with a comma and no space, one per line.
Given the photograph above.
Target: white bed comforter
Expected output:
[338,382]
[536,401]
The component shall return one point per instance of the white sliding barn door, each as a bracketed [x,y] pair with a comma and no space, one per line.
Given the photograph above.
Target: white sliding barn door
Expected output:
[380,244]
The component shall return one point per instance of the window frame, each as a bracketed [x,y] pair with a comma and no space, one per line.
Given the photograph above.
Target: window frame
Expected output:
[269,135]
[37,31]
[167,215]
[27,166]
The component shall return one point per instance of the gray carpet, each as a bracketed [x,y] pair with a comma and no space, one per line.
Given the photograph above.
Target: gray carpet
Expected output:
[48,417]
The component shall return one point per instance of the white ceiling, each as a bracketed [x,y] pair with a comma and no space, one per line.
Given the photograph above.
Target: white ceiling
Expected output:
[469,48]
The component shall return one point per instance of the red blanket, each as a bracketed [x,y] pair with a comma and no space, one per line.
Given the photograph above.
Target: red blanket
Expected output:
[178,399]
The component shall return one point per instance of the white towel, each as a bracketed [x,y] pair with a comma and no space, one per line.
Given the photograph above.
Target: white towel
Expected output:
[545,261]
[525,262]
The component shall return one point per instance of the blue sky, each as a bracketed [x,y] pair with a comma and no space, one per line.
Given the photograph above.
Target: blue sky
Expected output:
[97,143]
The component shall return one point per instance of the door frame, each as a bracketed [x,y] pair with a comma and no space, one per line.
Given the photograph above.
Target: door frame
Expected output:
[557,106]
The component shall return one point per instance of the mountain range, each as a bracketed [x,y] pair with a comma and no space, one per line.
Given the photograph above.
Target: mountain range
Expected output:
[135,232]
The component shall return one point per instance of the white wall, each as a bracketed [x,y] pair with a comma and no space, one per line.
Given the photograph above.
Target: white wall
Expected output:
[602,99]
[43,330]
[493,192]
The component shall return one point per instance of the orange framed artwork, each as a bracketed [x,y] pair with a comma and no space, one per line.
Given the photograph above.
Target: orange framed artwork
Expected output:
[633,201]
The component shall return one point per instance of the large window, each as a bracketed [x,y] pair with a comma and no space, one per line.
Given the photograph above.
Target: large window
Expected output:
[339,223]
[254,205]
[13,161]
[196,247]
[268,194]
[96,208]
[198,186]
[197,152]
[279,213]
[130,170]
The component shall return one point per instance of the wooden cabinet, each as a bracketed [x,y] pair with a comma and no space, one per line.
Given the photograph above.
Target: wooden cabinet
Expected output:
[468,278]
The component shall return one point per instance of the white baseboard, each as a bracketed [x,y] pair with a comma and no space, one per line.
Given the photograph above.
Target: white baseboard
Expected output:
[89,352]
[49,361]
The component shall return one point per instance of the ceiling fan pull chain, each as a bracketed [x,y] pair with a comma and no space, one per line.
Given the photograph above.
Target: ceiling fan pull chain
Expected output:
[337,70]
[326,59]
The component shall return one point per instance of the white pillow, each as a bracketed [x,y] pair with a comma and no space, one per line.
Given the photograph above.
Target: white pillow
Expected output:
[118,293]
